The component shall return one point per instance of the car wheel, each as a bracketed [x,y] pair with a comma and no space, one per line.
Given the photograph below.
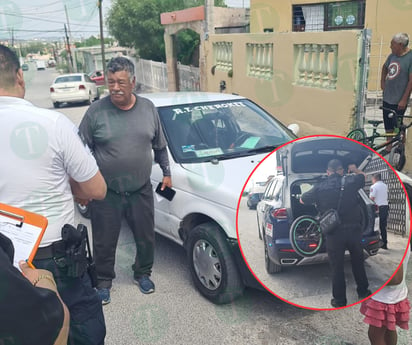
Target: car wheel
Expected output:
[89,101]
[270,266]
[97,95]
[212,264]
[56,104]
[84,210]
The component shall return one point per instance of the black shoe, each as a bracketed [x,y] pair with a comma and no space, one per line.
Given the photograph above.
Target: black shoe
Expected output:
[367,293]
[336,303]
[384,246]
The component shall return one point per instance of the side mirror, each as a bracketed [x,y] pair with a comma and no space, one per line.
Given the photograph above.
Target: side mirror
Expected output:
[294,128]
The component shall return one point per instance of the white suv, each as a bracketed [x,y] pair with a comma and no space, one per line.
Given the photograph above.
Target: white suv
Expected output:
[215,140]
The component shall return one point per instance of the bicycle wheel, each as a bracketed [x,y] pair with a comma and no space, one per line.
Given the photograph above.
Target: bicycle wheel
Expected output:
[397,157]
[357,134]
[305,236]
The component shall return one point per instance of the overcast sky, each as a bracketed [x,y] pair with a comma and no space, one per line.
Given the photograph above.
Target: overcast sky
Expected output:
[27,19]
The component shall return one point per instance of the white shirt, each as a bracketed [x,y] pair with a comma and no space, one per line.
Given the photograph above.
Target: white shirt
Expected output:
[40,149]
[379,191]
[393,294]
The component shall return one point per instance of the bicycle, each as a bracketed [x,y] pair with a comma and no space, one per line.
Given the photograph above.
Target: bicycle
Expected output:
[396,156]
[306,236]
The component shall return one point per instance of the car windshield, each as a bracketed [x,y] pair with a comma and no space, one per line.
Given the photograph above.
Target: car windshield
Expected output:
[222,130]
[68,79]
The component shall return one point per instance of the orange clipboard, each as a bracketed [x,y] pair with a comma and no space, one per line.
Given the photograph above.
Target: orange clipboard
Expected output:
[25,229]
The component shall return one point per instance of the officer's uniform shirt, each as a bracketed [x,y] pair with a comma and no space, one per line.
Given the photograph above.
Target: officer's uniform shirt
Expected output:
[326,196]
[379,191]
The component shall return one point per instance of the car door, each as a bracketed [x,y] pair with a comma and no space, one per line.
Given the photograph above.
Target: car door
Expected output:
[264,204]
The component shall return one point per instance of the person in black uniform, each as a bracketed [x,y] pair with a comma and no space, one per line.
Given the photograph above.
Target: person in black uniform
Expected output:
[325,195]
[31,311]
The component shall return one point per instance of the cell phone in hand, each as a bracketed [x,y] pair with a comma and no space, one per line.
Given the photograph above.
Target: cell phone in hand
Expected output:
[167,193]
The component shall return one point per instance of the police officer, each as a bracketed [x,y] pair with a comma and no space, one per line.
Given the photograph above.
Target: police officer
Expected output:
[326,195]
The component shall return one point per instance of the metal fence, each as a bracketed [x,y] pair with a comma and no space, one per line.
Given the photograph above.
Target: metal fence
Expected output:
[396,195]
[152,75]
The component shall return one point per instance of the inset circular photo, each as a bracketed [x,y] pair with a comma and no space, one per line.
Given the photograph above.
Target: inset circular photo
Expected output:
[323,222]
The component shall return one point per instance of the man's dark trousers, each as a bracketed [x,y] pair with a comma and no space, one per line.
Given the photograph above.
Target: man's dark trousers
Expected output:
[106,216]
[346,237]
[383,221]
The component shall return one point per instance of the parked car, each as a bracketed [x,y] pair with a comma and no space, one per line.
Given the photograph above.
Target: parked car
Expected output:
[25,67]
[98,77]
[304,163]
[73,88]
[214,142]
[255,193]
[51,63]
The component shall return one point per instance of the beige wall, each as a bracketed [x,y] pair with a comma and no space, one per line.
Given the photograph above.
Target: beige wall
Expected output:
[383,17]
[315,110]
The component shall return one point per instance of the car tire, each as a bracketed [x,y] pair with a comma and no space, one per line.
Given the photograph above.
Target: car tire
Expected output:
[56,104]
[218,278]
[83,210]
[270,266]
[97,95]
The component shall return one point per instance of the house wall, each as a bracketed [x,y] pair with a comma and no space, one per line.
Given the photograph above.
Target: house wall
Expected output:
[270,74]
[384,17]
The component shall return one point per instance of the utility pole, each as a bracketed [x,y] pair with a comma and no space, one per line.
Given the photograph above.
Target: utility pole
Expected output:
[71,39]
[69,54]
[102,41]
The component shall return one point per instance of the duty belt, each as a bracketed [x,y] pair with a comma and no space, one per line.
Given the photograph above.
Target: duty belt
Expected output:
[127,194]
[51,251]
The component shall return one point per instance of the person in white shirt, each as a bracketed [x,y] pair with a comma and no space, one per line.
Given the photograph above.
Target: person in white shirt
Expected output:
[388,308]
[44,164]
[379,194]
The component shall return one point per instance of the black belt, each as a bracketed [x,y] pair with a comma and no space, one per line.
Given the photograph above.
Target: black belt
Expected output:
[127,193]
[55,249]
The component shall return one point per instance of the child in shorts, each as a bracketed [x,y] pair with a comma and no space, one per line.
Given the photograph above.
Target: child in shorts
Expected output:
[388,308]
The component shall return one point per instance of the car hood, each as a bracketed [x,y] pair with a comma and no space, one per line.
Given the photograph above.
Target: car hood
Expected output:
[221,181]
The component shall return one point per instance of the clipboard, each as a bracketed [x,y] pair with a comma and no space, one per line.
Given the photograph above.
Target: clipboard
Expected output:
[25,229]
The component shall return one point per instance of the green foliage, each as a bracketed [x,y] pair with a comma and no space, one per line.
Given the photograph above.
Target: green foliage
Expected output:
[187,46]
[93,41]
[136,23]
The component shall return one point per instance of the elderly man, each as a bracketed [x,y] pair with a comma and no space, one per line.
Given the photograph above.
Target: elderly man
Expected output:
[122,130]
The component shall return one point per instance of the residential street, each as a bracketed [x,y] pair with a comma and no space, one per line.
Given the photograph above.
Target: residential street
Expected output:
[177,314]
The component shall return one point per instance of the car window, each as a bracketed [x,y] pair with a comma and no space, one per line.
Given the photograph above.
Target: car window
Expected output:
[68,79]
[87,79]
[277,192]
[222,130]
[268,188]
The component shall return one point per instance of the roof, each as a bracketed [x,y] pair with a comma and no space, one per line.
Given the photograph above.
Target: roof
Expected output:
[162,99]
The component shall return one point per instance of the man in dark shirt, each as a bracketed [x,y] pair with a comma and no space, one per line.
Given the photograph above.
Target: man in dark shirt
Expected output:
[123,130]
[348,235]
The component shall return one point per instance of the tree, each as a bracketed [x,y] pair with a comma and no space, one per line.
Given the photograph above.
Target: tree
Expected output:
[136,23]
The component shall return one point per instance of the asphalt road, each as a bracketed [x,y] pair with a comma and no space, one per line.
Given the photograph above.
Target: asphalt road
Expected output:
[177,314]
[310,285]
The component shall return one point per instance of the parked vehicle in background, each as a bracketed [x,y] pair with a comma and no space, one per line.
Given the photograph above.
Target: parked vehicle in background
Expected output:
[255,193]
[51,63]
[215,140]
[303,164]
[73,88]
[25,67]
[98,77]
[41,65]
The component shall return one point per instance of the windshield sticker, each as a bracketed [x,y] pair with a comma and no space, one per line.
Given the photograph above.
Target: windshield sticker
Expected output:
[188,148]
[212,107]
[250,143]
[209,152]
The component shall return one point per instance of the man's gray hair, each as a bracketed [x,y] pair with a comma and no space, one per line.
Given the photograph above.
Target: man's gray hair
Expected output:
[121,63]
[402,38]
[334,165]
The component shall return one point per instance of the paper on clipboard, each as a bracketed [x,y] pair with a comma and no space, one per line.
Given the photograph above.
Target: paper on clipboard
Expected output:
[25,229]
